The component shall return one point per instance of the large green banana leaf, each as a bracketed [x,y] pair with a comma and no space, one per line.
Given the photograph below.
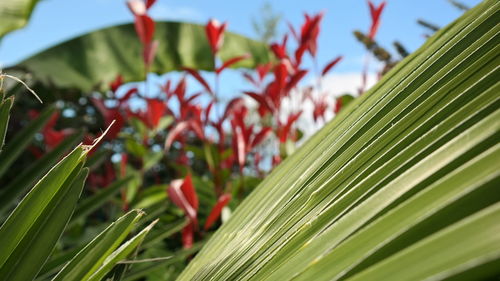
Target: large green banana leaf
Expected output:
[14,14]
[402,185]
[92,60]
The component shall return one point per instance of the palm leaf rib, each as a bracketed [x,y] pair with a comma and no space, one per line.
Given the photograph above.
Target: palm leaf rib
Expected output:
[411,164]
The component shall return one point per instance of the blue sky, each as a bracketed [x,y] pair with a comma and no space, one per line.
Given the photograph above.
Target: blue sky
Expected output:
[54,21]
[57,20]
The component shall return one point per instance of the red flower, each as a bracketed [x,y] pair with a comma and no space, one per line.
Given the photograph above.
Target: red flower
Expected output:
[285,130]
[284,81]
[151,117]
[375,13]
[276,160]
[183,195]
[230,62]
[145,28]
[244,137]
[190,119]
[109,114]
[149,3]
[200,79]
[215,34]
[149,53]
[156,110]
[279,50]
[330,65]
[320,106]
[116,83]
[51,136]
[216,210]
[309,33]
[338,105]
[263,69]
[103,179]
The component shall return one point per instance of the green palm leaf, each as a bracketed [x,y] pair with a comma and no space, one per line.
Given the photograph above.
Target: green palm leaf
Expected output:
[409,165]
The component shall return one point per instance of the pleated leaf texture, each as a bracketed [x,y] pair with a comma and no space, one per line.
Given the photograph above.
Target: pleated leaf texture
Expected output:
[404,184]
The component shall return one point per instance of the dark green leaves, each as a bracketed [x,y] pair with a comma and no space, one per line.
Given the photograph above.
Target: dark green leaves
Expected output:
[38,221]
[22,139]
[5,105]
[92,256]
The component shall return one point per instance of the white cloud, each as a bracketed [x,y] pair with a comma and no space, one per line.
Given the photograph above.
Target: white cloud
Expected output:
[341,83]
[164,12]
[333,85]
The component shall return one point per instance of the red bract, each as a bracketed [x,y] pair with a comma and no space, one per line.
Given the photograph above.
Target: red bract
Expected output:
[183,195]
[256,162]
[230,62]
[51,136]
[155,110]
[271,98]
[292,30]
[239,145]
[37,152]
[109,114]
[188,236]
[105,178]
[166,88]
[375,13]
[216,210]
[123,164]
[128,95]
[145,28]
[149,52]
[149,3]
[180,90]
[89,140]
[330,65]
[233,105]
[200,79]
[309,33]
[285,130]
[263,69]
[276,160]
[279,50]
[299,53]
[215,34]
[260,137]
[244,137]
[320,106]
[295,79]
[338,105]
[265,105]
[208,109]
[116,83]
[250,79]
[193,124]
